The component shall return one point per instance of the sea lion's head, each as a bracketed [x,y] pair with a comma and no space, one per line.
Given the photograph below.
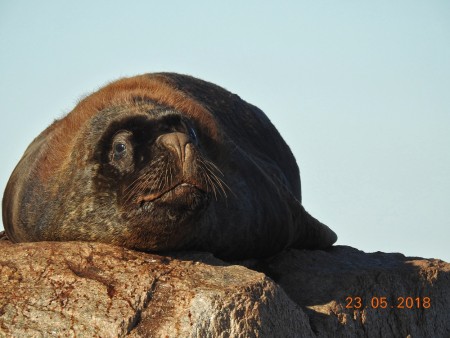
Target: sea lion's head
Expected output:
[154,168]
[162,162]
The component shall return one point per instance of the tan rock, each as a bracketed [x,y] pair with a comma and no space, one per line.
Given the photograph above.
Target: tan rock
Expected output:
[92,289]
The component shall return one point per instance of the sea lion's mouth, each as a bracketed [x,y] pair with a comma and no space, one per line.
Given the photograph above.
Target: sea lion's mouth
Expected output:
[178,190]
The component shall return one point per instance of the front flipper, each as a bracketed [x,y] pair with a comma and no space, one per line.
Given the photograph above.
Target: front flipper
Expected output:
[313,234]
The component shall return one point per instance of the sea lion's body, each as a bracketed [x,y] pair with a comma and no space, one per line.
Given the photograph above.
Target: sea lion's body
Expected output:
[162,162]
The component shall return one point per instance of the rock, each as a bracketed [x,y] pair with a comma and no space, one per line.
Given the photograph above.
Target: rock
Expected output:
[326,284]
[93,289]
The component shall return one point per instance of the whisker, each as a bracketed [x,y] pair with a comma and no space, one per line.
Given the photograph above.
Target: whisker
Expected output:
[211,184]
[212,173]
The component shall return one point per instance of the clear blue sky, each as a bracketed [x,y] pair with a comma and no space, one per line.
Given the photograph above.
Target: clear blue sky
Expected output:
[360,90]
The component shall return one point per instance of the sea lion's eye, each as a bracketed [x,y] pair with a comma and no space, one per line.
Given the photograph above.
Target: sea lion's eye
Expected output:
[119,150]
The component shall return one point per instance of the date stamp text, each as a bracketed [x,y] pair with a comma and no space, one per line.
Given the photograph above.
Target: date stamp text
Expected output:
[385,303]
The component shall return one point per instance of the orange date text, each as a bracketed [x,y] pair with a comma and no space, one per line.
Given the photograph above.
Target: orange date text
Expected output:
[355,302]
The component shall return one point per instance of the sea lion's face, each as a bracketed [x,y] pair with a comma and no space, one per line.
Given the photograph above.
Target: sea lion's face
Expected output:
[154,169]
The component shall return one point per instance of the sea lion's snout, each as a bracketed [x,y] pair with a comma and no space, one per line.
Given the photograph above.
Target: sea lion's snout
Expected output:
[180,144]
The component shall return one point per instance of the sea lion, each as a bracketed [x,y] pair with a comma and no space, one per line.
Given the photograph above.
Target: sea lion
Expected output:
[162,162]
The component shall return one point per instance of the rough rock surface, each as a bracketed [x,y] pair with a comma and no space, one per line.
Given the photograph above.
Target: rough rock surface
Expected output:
[323,283]
[92,289]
